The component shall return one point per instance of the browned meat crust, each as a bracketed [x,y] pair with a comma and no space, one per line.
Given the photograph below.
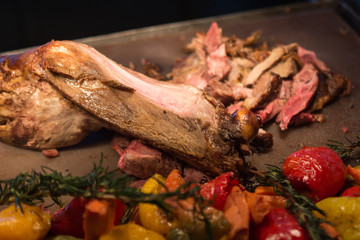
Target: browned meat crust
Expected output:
[32,113]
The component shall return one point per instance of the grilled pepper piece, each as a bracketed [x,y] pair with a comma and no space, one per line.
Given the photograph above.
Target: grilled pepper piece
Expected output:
[131,231]
[151,216]
[344,214]
[32,224]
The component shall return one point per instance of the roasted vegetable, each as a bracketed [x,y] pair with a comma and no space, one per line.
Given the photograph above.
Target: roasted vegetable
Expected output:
[344,214]
[260,204]
[151,216]
[279,224]
[131,231]
[68,220]
[236,211]
[351,192]
[354,173]
[98,218]
[218,189]
[309,171]
[194,220]
[31,224]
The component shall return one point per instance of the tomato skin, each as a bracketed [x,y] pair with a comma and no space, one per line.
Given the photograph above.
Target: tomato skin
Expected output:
[316,171]
[68,220]
[218,189]
[279,224]
[351,192]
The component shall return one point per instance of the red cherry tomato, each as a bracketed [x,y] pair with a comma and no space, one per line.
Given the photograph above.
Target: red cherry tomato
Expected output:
[68,220]
[318,171]
[218,189]
[279,224]
[352,192]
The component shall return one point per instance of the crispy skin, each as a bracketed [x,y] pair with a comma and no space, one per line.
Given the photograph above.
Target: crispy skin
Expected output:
[32,113]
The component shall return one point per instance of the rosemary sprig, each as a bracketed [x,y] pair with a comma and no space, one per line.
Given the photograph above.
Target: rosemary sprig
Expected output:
[33,187]
[298,204]
[346,151]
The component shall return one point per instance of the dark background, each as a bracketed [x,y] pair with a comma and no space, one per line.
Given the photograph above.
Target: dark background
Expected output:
[26,23]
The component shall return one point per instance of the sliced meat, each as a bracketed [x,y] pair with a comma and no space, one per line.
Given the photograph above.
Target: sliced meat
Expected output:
[193,175]
[307,56]
[271,110]
[142,161]
[190,71]
[286,69]
[304,88]
[218,63]
[120,143]
[217,60]
[240,92]
[220,91]
[302,118]
[265,90]
[260,68]
[240,68]
[331,86]
[206,67]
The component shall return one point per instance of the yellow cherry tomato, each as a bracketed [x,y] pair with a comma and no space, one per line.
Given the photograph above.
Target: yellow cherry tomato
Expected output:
[131,231]
[344,214]
[151,216]
[32,224]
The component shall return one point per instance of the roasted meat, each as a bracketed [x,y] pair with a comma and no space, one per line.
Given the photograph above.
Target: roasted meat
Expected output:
[286,82]
[178,119]
[32,113]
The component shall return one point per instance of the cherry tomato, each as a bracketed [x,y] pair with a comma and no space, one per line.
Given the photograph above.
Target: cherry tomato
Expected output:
[68,220]
[352,192]
[318,172]
[279,224]
[218,189]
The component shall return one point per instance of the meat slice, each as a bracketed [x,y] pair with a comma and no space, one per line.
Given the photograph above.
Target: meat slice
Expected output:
[271,110]
[207,66]
[179,119]
[304,88]
[240,68]
[266,89]
[260,68]
[331,86]
[142,161]
[120,143]
[286,69]
[307,56]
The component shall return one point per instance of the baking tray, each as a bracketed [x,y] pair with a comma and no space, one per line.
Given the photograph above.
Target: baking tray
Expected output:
[316,27]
